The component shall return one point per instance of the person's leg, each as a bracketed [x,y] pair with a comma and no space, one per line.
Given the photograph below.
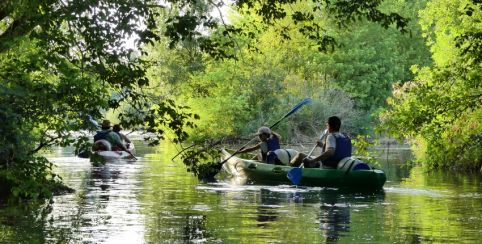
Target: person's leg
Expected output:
[297,160]
[312,165]
[258,157]
[116,148]
[271,158]
[330,164]
[278,162]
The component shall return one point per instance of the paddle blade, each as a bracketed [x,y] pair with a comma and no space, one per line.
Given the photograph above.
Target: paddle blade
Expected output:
[92,121]
[294,109]
[298,106]
[295,175]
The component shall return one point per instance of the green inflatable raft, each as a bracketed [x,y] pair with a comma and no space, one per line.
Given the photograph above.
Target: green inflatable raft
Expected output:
[347,175]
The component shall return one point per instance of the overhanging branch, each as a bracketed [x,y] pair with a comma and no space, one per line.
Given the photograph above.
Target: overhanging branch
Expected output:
[19,27]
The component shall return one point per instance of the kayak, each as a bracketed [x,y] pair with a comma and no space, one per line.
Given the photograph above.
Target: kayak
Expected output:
[111,155]
[345,176]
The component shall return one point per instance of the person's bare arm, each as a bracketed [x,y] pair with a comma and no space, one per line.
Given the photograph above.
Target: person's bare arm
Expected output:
[327,154]
[250,149]
[121,146]
[276,135]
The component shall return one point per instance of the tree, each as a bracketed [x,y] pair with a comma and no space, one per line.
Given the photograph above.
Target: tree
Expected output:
[441,109]
[64,60]
[278,64]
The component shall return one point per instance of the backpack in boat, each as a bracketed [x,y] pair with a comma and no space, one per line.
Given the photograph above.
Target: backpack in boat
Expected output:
[102,145]
[284,156]
[350,164]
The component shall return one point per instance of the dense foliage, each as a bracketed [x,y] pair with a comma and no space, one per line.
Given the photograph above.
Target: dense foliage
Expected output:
[64,60]
[59,62]
[271,73]
[276,65]
[160,66]
[442,108]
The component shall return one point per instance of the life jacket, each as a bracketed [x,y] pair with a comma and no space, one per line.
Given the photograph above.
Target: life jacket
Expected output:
[342,150]
[269,145]
[112,137]
[101,135]
[120,136]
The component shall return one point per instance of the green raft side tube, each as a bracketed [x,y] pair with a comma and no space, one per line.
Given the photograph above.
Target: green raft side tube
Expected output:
[258,172]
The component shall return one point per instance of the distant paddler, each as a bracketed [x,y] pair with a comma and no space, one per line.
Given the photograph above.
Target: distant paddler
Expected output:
[117,128]
[110,136]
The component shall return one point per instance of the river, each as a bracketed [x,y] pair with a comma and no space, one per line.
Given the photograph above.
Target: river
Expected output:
[154,200]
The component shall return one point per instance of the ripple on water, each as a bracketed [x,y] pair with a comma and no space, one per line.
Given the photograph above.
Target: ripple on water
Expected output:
[226,187]
[413,191]
[475,195]
[151,201]
[104,208]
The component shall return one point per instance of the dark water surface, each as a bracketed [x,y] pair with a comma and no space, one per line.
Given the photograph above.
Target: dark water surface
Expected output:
[154,200]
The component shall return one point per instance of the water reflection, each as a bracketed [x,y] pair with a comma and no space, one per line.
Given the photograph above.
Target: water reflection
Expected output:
[154,200]
[104,176]
[266,210]
[104,208]
[195,228]
[334,217]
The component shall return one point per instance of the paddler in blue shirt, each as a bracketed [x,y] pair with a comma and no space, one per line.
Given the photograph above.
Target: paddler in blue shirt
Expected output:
[269,143]
[335,146]
[107,134]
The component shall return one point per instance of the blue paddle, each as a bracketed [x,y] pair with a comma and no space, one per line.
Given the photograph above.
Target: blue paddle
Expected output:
[93,122]
[296,174]
[292,111]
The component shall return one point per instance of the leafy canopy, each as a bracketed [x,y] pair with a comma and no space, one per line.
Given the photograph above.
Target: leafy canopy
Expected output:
[441,109]
[64,60]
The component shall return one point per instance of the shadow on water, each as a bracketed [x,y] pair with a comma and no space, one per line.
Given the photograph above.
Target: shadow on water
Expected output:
[334,217]
[104,176]
[24,223]
[335,207]
[266,210]
[103,209]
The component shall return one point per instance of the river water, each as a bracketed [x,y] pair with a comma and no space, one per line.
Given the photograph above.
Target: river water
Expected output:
[154,200]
